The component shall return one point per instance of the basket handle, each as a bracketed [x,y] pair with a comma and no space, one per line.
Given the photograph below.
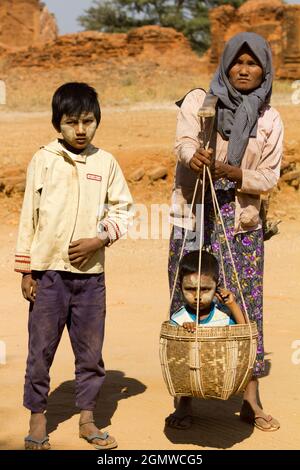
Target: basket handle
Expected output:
[217,211]
[216,205]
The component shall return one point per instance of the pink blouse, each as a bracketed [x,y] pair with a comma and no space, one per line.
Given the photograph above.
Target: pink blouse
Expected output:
[260,165]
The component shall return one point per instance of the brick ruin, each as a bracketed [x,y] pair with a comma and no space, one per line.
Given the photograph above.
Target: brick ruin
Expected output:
[95,48]
[279,23]
[29,37]
[25,23]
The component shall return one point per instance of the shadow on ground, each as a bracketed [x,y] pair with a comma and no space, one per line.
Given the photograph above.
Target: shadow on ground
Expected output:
[61,402]
[216,423]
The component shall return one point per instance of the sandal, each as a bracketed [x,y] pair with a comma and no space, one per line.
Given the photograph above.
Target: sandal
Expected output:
[103,436]
[173,421]
[247,415]
[40,443]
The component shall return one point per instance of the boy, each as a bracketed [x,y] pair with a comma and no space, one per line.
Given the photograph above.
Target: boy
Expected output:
[76,202]
[209,313]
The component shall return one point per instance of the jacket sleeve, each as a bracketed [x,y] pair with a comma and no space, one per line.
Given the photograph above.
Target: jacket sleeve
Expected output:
[187,130]
[266,175]
[28,219]
[119,211]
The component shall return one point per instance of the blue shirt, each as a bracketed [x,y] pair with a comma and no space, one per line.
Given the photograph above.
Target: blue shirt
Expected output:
[215,318]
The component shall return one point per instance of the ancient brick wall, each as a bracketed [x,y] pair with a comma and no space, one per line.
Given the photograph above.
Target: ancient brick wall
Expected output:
[91,47]
[25,23]
[277,22]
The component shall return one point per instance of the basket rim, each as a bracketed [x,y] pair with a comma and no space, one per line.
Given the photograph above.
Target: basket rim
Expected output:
[230,332]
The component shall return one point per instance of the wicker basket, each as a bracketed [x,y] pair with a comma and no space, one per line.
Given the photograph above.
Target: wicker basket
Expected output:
[218,366]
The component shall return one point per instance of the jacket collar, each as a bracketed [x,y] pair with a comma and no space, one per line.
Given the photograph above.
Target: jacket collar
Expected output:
[57,148]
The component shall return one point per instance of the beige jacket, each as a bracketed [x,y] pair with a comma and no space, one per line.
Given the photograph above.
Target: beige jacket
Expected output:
[66,197]
[260,165]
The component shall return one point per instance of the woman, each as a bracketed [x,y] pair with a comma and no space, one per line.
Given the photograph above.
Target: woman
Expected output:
[245,161]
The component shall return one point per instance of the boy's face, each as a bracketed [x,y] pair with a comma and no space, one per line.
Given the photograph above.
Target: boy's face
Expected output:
[78,131]
[190,290]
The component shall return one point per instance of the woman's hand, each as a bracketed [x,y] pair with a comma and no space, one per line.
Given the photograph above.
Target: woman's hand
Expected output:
[223,170]
[28,286]
[190,326]
[201,157]
[219,170]
[80,251]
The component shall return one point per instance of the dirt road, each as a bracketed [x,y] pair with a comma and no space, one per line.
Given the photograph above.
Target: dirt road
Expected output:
[134,401]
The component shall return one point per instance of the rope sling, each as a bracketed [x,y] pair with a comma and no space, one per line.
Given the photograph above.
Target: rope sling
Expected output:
[216,361]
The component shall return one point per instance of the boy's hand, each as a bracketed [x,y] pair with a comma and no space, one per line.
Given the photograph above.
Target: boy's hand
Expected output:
[190,326]
[80,251]
[28,287]
[225,296]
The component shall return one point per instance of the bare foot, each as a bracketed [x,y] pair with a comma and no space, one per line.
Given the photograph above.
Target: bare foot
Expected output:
[181,418]
[38,433]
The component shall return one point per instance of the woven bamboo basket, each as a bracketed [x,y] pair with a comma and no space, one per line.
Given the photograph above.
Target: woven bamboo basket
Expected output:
[219,365]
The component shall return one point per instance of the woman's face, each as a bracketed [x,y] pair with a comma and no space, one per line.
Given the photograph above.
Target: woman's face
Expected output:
[245,73]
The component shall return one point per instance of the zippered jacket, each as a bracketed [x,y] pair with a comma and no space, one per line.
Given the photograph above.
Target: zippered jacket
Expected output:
[67,196]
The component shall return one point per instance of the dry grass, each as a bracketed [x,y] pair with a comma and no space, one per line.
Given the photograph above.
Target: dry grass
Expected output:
[32,91]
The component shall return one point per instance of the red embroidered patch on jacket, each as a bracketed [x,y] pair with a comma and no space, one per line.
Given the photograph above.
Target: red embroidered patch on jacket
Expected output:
[94,177]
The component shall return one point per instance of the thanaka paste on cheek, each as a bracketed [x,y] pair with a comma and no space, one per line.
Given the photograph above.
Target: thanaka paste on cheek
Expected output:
[69,132]
[91,130]
[191,281]
[189,297]
[207,297]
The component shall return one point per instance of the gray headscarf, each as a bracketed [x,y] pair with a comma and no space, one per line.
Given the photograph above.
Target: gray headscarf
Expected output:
[237,113]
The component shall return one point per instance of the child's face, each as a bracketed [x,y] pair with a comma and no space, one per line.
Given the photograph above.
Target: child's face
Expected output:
[78,131]
[190,290]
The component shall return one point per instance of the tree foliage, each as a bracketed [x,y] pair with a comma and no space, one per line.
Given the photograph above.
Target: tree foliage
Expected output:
[188,16]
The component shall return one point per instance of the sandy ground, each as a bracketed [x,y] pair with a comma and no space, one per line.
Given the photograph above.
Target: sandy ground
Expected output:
[134,400]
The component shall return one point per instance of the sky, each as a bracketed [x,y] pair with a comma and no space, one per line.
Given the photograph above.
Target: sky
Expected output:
[67,12]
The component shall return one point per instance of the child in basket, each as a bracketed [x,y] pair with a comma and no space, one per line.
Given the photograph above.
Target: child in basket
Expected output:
[209,313]
[224,311]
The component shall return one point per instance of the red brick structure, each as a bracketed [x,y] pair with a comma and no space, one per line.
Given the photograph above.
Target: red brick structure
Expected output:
[25,23]
[279,23]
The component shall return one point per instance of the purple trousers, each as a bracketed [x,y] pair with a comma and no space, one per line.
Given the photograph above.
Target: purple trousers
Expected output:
[78,301]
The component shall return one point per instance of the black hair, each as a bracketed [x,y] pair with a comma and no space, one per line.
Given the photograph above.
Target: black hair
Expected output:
[73,99]
[189,264]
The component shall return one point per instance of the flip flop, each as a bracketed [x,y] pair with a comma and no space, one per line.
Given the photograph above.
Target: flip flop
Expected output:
[267,420]
[179,423]
[248,416]
[30,439]
[103,436]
